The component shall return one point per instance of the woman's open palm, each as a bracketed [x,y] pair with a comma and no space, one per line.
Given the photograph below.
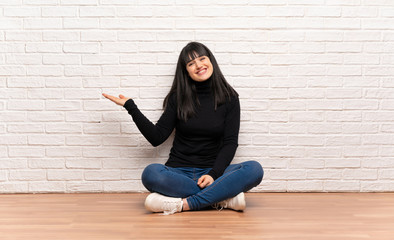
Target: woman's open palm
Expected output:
[120,100]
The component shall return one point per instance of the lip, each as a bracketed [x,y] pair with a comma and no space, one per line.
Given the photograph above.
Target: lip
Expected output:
[202,71]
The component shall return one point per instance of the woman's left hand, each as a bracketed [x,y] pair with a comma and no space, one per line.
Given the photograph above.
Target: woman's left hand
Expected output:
[205,180]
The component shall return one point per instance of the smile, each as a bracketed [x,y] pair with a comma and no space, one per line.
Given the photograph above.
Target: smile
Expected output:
[202,71]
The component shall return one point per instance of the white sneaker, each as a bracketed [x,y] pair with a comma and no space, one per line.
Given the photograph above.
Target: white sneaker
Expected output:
[236,203]
[156,202]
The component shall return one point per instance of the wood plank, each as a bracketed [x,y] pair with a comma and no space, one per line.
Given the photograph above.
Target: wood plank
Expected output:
[306,216]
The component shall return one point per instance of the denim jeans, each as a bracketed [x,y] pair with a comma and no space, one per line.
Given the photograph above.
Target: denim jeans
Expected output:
[181,182]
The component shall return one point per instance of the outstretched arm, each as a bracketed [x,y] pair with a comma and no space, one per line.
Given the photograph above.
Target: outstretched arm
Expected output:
[157,133]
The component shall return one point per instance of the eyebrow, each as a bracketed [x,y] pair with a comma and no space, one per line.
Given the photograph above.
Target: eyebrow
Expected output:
[195,59]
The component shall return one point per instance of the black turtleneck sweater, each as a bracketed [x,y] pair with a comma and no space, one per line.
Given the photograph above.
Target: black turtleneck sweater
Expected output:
[207,140]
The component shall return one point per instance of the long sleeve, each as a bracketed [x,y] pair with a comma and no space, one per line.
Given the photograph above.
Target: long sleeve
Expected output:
[230,139]
[157,133]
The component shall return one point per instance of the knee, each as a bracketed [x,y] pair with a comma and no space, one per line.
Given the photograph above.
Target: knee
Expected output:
[256,170]
[149,175]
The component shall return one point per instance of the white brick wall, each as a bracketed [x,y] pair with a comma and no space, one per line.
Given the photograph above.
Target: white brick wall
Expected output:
[315,80]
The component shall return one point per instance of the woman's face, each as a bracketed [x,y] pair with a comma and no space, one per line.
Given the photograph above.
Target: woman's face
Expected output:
[200,69]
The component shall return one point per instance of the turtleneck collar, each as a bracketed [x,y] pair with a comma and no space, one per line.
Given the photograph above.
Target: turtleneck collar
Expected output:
[204,87]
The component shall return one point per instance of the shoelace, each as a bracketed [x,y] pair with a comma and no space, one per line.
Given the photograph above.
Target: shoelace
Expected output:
[220,205]
[170,207]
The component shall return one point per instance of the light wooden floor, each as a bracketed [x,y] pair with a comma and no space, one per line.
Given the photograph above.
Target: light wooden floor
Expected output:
[306,216]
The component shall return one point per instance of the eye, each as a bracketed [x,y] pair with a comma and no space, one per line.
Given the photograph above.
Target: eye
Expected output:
[203,58]
[190,64]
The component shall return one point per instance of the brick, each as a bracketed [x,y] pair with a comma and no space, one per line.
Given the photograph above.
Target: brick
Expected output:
[100,152]
[310,47]
[42,24]
[305,141]
[324,105]
[83,187]
[86,71]
[362,104]
[362,174]
[79,2]
[121,70]
[84,163]
[82,94]
[46,140]
[351,128]
[102,175]
[12,71]
[269,140]
[132,174]
[27,175]
[63,152]
[93,117]
[379,93]
[335,186]
[45,116]
[13,187]
[25,59]
[83,141]
[101,105]
[289,59]
[270,116]
[323,12]
[31,105]
[387,128]
[11,24]
[57,105]
[142,11]
[287,128]
[318,174]
[343,140]
[306,116]
[63,128]
[101,128]
[25,128]
[343,93]
[61,59]
[24,36]
[377,186]
[97,11]
[343,163]
[59,11]
[48,71]
[361,151]
[12,116]
[51,163]
[65,175]
[63,82]
[362,36]
[343,116]
[285,105]
[101,82]
[47,187]
[81,23]
[63,35]
[324,36]
[287,174]
[120,141]
[45,94]
[26,152]
[324,152]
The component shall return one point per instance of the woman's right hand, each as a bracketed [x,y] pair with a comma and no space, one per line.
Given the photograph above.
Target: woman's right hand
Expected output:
[120,100]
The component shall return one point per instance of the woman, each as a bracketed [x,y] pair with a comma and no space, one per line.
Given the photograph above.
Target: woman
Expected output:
[205,112]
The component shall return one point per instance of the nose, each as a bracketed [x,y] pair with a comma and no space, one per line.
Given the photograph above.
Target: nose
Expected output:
[198,64]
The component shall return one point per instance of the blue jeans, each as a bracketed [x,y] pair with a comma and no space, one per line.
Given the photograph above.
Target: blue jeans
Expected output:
[181,182]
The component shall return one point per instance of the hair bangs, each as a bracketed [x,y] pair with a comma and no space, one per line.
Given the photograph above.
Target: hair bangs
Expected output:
[193,51]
